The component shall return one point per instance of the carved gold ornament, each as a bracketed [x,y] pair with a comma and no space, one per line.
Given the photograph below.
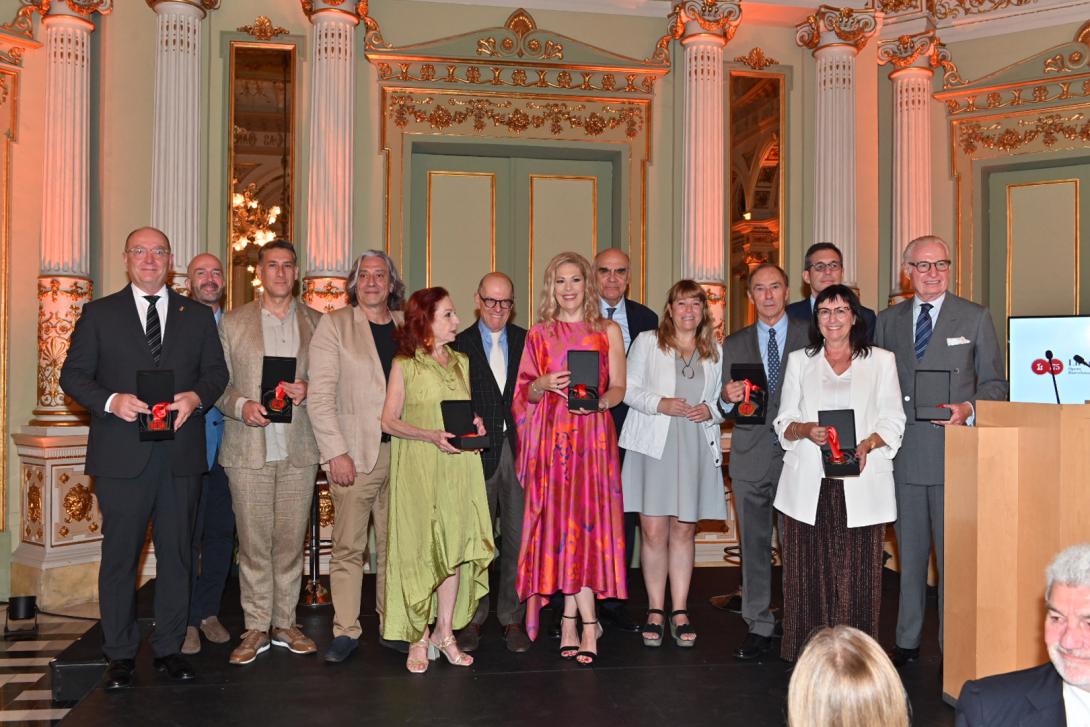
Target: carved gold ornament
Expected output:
[850,26]
[712,17]
[63,531]
[1049,128]
[34,503]
[325,294]
[4,92]
[519,77]
[520,24]
[1066,63]
[60,305]
[890,7]
[205,5]
[263,29]
[22,23]
[756,59]
[85,8]
[943,9]
[78,503]
[516,116]
[326,511]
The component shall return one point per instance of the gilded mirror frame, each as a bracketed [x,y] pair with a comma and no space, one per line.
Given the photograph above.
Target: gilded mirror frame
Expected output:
[233,48]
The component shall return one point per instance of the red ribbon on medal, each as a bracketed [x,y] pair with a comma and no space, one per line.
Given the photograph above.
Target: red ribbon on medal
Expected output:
[159,414]
[580,391]
[834,447]
[279,401]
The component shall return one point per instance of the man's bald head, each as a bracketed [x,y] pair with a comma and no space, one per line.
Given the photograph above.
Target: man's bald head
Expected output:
[495,299]
[146,233]
[204,279]
[612,268]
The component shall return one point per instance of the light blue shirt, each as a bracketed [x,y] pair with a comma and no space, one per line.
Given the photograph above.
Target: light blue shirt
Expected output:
[620,317]
[486,340]
[936,306]
[213,419]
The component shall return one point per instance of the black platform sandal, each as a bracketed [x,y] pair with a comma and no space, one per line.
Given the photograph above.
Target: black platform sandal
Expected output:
[586,658]
[569,652]
[678,631]
[650,628]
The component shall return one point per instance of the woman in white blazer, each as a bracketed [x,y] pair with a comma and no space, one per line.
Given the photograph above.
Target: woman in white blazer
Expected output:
[832,529]
[671,473]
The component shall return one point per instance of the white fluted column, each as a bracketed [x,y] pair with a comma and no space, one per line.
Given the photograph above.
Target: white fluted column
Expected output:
[914,58]
[176,142]
[64,284]
[330,176]
[836,35]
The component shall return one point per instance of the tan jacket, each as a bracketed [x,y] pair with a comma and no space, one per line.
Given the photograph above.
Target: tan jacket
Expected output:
[347,387]
[244,347]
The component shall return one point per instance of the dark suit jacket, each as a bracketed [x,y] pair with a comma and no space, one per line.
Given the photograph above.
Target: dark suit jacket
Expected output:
[108,348]
[755,452]
[801,311]
[1026,698]
[963,343]
[640,319]
[489,404]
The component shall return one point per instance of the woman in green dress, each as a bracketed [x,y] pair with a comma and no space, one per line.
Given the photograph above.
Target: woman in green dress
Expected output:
[439,535]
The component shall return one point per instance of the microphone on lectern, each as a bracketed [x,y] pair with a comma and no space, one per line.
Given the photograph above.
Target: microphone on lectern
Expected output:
[1080,360]
[1052,371]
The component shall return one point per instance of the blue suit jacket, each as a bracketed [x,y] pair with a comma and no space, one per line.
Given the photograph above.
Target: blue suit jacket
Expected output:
[213,433]
[1027,698]
[800,310]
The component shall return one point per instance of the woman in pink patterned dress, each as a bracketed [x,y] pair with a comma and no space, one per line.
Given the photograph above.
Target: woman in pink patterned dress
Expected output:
[568,463]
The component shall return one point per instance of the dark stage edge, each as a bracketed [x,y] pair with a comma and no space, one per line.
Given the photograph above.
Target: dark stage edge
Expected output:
[629,685]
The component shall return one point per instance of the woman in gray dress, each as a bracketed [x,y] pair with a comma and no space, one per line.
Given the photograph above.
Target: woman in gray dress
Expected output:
[671,472]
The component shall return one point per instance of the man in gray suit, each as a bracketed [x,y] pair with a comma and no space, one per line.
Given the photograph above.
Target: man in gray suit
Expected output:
[935,330]
[756,457]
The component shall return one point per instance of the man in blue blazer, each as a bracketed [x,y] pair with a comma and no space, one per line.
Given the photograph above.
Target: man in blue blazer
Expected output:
[824,266]
[1051,695]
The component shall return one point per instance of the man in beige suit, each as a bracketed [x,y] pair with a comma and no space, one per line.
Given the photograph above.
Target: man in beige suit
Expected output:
[350,359]
[271,467]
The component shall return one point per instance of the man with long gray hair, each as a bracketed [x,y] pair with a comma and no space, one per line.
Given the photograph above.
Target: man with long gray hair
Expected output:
[1057,693]
[350,358]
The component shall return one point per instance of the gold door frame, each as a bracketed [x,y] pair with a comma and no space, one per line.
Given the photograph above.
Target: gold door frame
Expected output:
[516,82]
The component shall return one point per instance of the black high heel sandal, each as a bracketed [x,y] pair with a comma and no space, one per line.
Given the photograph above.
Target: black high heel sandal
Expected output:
[650,628]
[569,652]
[678,631]
[586,658]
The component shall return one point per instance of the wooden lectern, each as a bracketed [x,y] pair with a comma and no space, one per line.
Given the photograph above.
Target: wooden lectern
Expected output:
[1017,494]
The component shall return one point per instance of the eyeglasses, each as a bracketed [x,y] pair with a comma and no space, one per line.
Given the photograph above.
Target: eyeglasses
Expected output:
[157,252]
[832,267]
[827,313]
[924,266]
[505,304]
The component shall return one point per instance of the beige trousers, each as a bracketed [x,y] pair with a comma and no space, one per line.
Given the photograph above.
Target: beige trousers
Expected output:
[354,506]
[272,507]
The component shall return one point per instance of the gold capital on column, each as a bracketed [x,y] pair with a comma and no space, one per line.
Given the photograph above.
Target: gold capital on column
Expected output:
[708,19]
[325,294]
[83,8]
[837,26]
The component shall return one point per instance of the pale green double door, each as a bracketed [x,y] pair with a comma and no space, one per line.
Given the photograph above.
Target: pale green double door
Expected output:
[473,214]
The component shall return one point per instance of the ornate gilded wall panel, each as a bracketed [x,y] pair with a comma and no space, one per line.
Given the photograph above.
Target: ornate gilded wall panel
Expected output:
[76,517]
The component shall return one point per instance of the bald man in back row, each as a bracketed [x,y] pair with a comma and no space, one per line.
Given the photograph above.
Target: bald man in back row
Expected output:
[494,346]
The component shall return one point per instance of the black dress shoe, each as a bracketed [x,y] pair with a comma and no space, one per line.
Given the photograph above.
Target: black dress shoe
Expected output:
[753,647]
[175,666]
[402,647]
[119,674]
[900,656]
[617,617]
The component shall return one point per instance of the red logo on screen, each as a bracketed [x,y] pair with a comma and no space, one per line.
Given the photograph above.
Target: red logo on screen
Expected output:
[1040,366]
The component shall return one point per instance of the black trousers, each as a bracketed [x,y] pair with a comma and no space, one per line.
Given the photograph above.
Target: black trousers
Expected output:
[127,504]
[213,546]
[631,520]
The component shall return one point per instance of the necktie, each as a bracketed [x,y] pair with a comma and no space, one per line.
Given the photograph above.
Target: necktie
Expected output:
[773,362]
[610,312]
[923,330]
[496,362]
[152,330]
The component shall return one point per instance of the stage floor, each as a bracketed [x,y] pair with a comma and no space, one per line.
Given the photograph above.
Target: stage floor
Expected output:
[630,685]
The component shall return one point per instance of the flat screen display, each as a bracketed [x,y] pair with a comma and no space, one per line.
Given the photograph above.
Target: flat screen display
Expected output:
[1029,338]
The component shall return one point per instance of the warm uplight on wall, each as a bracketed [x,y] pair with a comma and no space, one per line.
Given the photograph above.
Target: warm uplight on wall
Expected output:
[747,216]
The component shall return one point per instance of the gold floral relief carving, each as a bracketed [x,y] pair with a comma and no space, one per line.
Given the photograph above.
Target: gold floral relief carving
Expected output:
[642,83]
[22,24]
[944,9]
[756,59]
[521,24]
[78,503]
[34,502]
[326,295]
[4,91]
[263,29]
[890,7]
[1000,136]
[1061,63]
[59,308]
[326,511]
[849,25]
[1019,96]
[515,116]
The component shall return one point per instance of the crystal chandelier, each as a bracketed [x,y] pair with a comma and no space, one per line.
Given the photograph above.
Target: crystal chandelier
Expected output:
[251,224]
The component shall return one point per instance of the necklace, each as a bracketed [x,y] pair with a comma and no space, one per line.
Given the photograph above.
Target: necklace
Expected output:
[687,366]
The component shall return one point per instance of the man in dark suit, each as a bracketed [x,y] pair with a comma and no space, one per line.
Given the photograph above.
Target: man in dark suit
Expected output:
[145,326]
[494,346]
[612,270]
[1050,695]
[824,266]
[935,330]
[756,456]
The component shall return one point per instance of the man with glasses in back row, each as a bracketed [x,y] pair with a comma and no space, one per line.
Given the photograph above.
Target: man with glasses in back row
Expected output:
[935,330]
[824,266]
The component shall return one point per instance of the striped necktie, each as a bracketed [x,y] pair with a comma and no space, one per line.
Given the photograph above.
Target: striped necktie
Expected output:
[153,329]
[923,330]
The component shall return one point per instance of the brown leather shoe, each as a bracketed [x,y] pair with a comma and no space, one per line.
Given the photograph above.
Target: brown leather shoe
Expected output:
[469,638]
[192,643]
[293,640]
[517,640]
[214,631]
[253,643]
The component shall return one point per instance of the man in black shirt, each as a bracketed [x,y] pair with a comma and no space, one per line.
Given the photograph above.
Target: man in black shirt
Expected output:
[350,358]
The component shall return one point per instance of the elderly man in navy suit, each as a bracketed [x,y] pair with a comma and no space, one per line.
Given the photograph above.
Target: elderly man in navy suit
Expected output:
[1051,695]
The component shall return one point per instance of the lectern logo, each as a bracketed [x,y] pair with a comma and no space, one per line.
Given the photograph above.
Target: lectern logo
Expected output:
[1040,366]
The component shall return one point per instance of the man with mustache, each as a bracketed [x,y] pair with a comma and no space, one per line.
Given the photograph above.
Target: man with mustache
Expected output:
[214,529]
[1053,694]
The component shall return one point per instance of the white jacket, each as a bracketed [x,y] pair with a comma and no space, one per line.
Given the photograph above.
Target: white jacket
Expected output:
[652,376]
[876,400]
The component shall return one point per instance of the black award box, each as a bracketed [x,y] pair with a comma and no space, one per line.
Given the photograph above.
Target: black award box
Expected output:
[583,388]
[752,408]
[274,370]
[843,421]
[932,389]
[458,420]
[155,387]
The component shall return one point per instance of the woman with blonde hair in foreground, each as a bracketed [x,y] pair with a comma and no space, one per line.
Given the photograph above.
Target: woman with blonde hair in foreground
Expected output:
[845,679]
